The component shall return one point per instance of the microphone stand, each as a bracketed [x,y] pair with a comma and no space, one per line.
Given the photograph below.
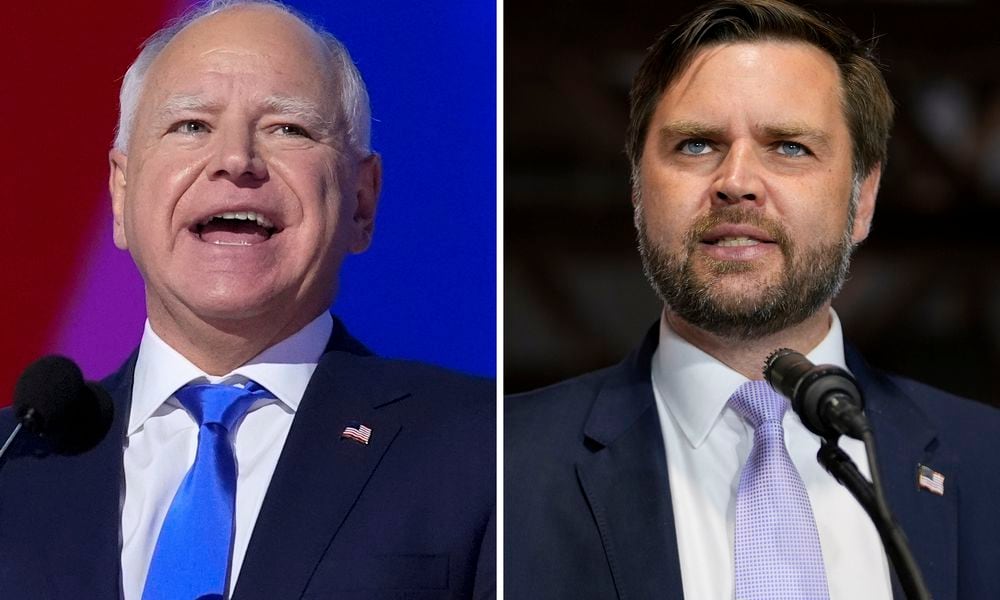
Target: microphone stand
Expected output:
[829,402]
[10,439]
[871,496]
[29,419]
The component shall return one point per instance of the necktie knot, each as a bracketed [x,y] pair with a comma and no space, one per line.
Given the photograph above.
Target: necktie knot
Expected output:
[220,404]
[192,554]
[756,402]
[776,547]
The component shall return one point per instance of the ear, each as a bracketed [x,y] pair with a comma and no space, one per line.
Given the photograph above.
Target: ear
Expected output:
[369,185]
[116,184]
[866,204]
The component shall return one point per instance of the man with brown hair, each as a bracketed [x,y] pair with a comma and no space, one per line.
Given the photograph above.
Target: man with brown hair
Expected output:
[757,137]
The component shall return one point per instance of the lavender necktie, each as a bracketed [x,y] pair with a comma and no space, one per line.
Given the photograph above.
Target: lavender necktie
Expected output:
[777,549]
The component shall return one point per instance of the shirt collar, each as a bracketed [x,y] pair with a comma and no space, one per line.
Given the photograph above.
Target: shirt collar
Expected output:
[695,386]
[283,369]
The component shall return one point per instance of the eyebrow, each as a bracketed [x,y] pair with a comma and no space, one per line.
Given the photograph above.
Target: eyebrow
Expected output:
[797,131]
[187,102]
[777,131]
[300,109]
[689,129]
[305,110]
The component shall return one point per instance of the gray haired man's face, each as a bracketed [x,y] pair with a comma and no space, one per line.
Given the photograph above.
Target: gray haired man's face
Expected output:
[238,199]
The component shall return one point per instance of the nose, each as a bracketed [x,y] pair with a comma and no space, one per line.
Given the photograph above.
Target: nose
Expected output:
[739,177]
[236,158]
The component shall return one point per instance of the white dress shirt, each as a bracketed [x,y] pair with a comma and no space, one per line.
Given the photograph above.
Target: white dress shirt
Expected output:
[707,444]
[162,438]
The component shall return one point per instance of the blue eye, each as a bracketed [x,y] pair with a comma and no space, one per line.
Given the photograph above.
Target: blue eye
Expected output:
[292,130]
[191,127]
[792,149]
[695,147]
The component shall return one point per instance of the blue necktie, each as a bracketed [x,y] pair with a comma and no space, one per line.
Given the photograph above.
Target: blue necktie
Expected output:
[777,548]
[191,559]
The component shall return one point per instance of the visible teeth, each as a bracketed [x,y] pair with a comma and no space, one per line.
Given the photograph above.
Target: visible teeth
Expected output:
[729,242]
[261,220]
[242,216]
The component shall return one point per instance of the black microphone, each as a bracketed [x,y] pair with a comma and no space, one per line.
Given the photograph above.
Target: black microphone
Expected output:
[828,401]
[52,400]
[825,397]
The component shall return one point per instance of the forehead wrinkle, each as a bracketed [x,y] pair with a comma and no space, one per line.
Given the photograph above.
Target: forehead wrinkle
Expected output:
[188,102]
[291,106]
[240,53]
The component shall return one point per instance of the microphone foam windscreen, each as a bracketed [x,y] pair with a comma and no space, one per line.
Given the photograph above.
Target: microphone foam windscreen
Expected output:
[49,385]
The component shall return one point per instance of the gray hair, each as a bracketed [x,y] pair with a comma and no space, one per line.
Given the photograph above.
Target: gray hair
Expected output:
[354,107]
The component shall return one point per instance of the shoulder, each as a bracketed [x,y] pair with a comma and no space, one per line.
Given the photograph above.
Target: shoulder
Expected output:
[426,395]
[894,397]
[545,428]
[953,431]
[431,377]
[555,421]
[962,420]
[414,376]
[568,400]
[346,358]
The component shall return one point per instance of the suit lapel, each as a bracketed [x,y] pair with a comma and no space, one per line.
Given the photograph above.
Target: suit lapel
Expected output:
[905,440]
[319,476]
[625,482]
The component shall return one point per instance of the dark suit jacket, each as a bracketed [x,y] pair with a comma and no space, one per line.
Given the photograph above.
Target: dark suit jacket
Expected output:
[587,506]
[411,515]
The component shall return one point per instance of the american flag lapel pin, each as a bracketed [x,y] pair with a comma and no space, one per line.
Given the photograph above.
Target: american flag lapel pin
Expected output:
[930,480]
[357,432]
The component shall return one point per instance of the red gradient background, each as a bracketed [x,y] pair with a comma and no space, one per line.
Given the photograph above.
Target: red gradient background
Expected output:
[61,69]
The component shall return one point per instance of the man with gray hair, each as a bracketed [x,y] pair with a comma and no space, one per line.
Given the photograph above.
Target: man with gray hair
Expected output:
[257,449]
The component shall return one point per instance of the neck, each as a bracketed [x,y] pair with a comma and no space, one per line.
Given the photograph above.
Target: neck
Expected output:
[219,346]
[747,356]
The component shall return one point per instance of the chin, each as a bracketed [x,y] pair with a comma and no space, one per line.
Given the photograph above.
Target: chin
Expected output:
[235,312]
[739,304]
[738,280]
[230,302]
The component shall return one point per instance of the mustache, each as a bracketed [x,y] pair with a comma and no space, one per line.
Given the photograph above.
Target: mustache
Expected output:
[738,215]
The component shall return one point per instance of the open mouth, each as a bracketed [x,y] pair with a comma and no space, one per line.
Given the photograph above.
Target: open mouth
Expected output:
[734,242]
[732,235]
[241,228]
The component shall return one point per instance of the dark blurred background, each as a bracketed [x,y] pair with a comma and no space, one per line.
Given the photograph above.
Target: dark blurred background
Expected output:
[924,294]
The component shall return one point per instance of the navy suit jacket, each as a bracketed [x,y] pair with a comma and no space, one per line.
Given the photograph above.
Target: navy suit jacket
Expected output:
[410,515]
[587,506]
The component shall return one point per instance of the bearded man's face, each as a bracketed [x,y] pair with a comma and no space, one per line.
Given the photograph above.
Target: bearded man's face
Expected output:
[747,207]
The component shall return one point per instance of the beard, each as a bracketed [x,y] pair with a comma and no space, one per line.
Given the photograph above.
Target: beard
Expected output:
[811,277]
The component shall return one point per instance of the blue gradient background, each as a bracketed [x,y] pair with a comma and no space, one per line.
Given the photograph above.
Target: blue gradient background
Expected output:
[427,287]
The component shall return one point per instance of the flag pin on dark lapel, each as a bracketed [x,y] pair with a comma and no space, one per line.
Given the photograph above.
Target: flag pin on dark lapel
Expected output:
[930,480]
[357,432]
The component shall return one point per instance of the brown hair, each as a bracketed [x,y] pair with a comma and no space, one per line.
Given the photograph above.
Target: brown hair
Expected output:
[868,106]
